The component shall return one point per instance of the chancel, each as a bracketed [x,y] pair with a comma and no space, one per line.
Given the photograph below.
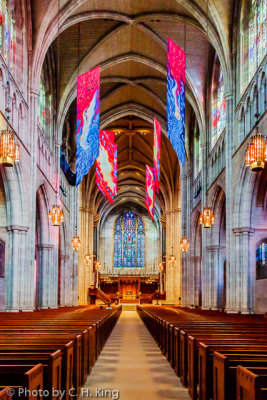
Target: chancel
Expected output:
[133,199]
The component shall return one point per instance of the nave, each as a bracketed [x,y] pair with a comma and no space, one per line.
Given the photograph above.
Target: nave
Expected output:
[132,364]
[65,354]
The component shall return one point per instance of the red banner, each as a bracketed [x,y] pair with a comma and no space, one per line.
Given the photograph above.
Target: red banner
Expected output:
[106,165]
[150,191]
[156,157]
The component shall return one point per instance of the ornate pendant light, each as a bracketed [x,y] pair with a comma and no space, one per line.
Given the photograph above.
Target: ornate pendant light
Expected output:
[87,258]
[76,243]
[256,153]
[184,245]
[56,215]
[172,258]
[160,266]
[9,149]
[97,265]
[206,218]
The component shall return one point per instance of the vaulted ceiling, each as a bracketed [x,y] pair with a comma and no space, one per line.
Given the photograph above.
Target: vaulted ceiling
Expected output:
[128,39]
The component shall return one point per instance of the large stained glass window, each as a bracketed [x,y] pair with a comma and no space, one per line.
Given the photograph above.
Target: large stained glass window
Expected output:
[218,108]
[45,105]
[254,36]
[129,242]
[7,33]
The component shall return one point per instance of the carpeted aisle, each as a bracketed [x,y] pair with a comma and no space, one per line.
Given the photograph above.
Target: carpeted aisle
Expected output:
[132,363]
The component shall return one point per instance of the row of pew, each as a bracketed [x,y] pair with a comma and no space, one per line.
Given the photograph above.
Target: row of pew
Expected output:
[50,353]
[217,356]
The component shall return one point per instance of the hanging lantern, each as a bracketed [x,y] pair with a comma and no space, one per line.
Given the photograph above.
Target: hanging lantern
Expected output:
[172,258]
[87,259]
[256,152]
[9,149]
[97,265]
[207,218]
[160,265]
[184,245]
[76,243]
[56,215]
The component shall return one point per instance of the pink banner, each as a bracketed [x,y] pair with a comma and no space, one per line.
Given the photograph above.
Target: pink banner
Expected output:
[106,165]
[150,191]
[88,93]
[156,157]
[176,98]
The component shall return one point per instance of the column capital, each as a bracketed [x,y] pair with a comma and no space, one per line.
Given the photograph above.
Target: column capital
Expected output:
[215,247]
[228,96]
[195,258]
[17,228]
[173,211]
[243,230]
[45,246]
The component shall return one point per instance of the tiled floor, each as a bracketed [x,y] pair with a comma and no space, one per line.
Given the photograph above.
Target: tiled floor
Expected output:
[132,364]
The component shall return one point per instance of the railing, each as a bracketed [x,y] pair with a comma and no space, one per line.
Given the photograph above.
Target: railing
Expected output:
[246,107]
[64,190]
[19,107]
[45,158]
[197,189]
[216,160]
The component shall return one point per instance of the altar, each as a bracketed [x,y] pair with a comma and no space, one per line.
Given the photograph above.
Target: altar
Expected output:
[129,288]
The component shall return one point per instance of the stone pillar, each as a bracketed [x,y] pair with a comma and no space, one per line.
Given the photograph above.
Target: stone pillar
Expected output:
[33,113]
[85,271]
[216,277]
[173,273]
[196,262]
[247,281]
[235,302]
[19,282]
[230,265]
[47,293]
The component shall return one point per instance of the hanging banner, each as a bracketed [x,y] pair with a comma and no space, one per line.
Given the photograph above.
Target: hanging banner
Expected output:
[150,191]
[115,171]
[176,99]
[156,157]
[106,165]
[88,93]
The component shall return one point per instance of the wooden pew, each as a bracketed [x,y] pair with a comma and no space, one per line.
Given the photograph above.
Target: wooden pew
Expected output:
[224,372]
[251,383]
[25,378]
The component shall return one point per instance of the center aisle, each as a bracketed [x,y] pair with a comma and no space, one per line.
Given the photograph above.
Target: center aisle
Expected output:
[132,363]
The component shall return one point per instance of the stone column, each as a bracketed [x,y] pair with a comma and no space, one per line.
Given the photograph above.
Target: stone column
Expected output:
[47,293]
[16,288]
[230,266]
[86,236]
[235,302]
[32,126]
[173,273]
[216,277]
[247,281]
[196,262]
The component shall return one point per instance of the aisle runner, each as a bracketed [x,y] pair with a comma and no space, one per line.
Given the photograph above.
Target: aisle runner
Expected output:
[131,366]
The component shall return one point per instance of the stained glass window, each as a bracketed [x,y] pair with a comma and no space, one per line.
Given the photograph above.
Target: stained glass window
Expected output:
[7,33]
[129,242]
[218,109]
[254,36]
[197,152]
[45,106]
[261,260]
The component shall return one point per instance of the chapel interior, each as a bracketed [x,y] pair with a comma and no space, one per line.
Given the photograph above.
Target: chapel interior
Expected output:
[133,199]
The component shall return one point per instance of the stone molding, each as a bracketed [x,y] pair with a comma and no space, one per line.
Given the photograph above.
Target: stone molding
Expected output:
[20,228]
